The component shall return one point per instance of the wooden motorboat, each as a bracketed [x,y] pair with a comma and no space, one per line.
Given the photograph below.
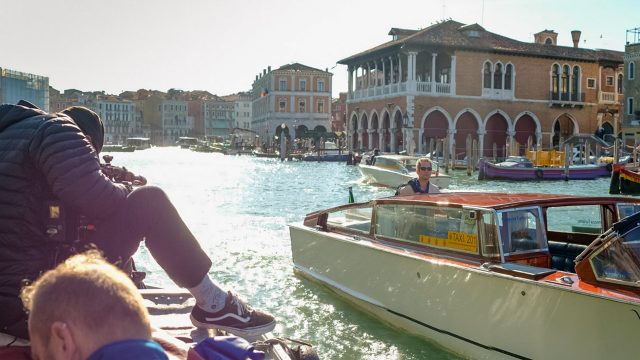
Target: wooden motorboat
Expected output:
[395,170]
[140,143]
[107,148]
[624,180]
[487,275]
[491,171]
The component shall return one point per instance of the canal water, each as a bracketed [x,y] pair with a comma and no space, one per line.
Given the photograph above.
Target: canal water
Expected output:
[239,207]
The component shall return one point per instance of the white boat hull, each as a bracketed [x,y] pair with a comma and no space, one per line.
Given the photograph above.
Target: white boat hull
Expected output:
[475,312]
[390,178]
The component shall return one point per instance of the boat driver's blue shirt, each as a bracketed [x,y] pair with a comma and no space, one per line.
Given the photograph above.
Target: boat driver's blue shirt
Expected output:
[130,350]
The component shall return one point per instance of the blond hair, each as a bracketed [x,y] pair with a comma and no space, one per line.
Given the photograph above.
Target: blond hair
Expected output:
[423,159]
[87,291]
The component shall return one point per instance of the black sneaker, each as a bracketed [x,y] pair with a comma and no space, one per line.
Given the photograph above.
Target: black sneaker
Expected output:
[237,317]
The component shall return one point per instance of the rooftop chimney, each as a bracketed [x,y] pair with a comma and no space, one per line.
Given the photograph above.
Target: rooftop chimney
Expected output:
[269,68]
[575,36]
[264,72]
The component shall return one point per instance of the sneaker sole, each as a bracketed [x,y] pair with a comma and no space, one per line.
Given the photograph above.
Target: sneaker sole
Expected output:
[248,332]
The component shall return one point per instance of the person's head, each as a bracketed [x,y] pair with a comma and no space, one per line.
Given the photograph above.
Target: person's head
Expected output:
[82,305]
[424,166]
[89,122]
[376,152]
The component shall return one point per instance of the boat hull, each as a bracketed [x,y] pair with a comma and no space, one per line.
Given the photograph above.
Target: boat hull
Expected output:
[490,171]
[624,181]
[389,178]
[473,311]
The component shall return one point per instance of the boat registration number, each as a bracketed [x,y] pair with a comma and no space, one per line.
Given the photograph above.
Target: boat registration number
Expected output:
[455,240]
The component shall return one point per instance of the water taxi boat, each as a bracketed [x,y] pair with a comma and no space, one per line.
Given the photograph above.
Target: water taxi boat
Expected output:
[491,171]
[395,170]
[487,275]
[140,143]
[117,148]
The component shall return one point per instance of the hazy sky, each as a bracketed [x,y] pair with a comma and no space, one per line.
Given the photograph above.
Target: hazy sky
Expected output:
[220,46]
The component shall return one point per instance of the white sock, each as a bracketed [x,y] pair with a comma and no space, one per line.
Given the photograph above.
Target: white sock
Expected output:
[209,295]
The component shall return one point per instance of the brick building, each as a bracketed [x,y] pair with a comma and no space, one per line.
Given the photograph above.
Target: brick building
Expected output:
[292,99]
[452,81]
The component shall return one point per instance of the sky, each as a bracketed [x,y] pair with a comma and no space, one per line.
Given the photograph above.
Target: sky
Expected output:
[221,45]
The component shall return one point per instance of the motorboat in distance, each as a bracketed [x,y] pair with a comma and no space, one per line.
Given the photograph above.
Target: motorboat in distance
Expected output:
[487,275]
[395,170]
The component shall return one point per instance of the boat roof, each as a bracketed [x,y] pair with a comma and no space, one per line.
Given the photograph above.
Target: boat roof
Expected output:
[504,200]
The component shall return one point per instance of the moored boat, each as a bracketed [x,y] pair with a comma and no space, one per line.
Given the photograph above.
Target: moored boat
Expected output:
[624,181]
[395,170]
[487,275]
[117,148]
[491,171]
[140,143]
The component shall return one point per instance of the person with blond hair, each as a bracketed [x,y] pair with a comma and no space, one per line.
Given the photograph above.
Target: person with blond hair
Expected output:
[86,308]
[421,184]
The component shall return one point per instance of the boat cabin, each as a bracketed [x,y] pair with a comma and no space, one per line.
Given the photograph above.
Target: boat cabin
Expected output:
[140,143]
[524,235]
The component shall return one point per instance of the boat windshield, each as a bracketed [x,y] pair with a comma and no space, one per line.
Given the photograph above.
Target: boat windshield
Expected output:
[618,260]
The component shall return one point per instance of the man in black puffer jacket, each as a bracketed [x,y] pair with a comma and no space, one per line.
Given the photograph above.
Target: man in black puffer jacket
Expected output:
[49,171]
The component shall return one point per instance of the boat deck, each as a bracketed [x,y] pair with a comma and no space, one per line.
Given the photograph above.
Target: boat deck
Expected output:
[170,309]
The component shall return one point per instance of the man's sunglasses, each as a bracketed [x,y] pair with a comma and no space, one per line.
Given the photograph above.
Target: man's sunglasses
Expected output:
[426,168]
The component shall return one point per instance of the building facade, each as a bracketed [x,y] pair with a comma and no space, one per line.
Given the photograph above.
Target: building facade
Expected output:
[339,112]
[456,82]
[291,101]
[16,86]
[218,115]
[118,117]
[167,119]
[631,122]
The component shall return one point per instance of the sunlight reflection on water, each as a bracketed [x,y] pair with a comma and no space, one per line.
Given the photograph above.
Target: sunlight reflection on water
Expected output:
[239,207]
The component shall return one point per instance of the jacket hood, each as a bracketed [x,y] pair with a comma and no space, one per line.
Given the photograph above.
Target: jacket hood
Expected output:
[11,114]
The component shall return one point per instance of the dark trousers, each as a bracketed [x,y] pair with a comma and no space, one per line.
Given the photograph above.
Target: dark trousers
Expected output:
[149,215]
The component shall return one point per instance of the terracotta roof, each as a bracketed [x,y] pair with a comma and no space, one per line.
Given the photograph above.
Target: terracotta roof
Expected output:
[297,67]
[474,37]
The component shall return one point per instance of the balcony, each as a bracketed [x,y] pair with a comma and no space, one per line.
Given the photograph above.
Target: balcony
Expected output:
[395,89]
[566,99]
[609,97]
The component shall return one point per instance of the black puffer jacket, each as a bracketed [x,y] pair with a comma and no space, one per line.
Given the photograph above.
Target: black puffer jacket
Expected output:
[42,156]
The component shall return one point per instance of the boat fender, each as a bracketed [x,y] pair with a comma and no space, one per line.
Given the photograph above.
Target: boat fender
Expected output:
[539,174]
[609,167]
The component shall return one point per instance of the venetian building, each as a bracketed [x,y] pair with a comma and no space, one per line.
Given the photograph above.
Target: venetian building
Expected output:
[291,101]
[631,122]
[457,82]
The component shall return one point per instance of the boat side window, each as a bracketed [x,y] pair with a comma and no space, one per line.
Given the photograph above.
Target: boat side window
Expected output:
[626,209]
[352,219]
[585,219]
[521,231]
[448,228]
[619,260]
[490,246]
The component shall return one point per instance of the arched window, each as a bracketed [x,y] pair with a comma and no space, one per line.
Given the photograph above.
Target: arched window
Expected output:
[565,82]
[555,82]
[508,77]
[575,84]
[619,83]
[548,41]
[632,71]
[487,75]
[497,77]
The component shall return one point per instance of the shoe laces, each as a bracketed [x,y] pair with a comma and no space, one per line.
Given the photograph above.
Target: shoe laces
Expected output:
[242,308]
